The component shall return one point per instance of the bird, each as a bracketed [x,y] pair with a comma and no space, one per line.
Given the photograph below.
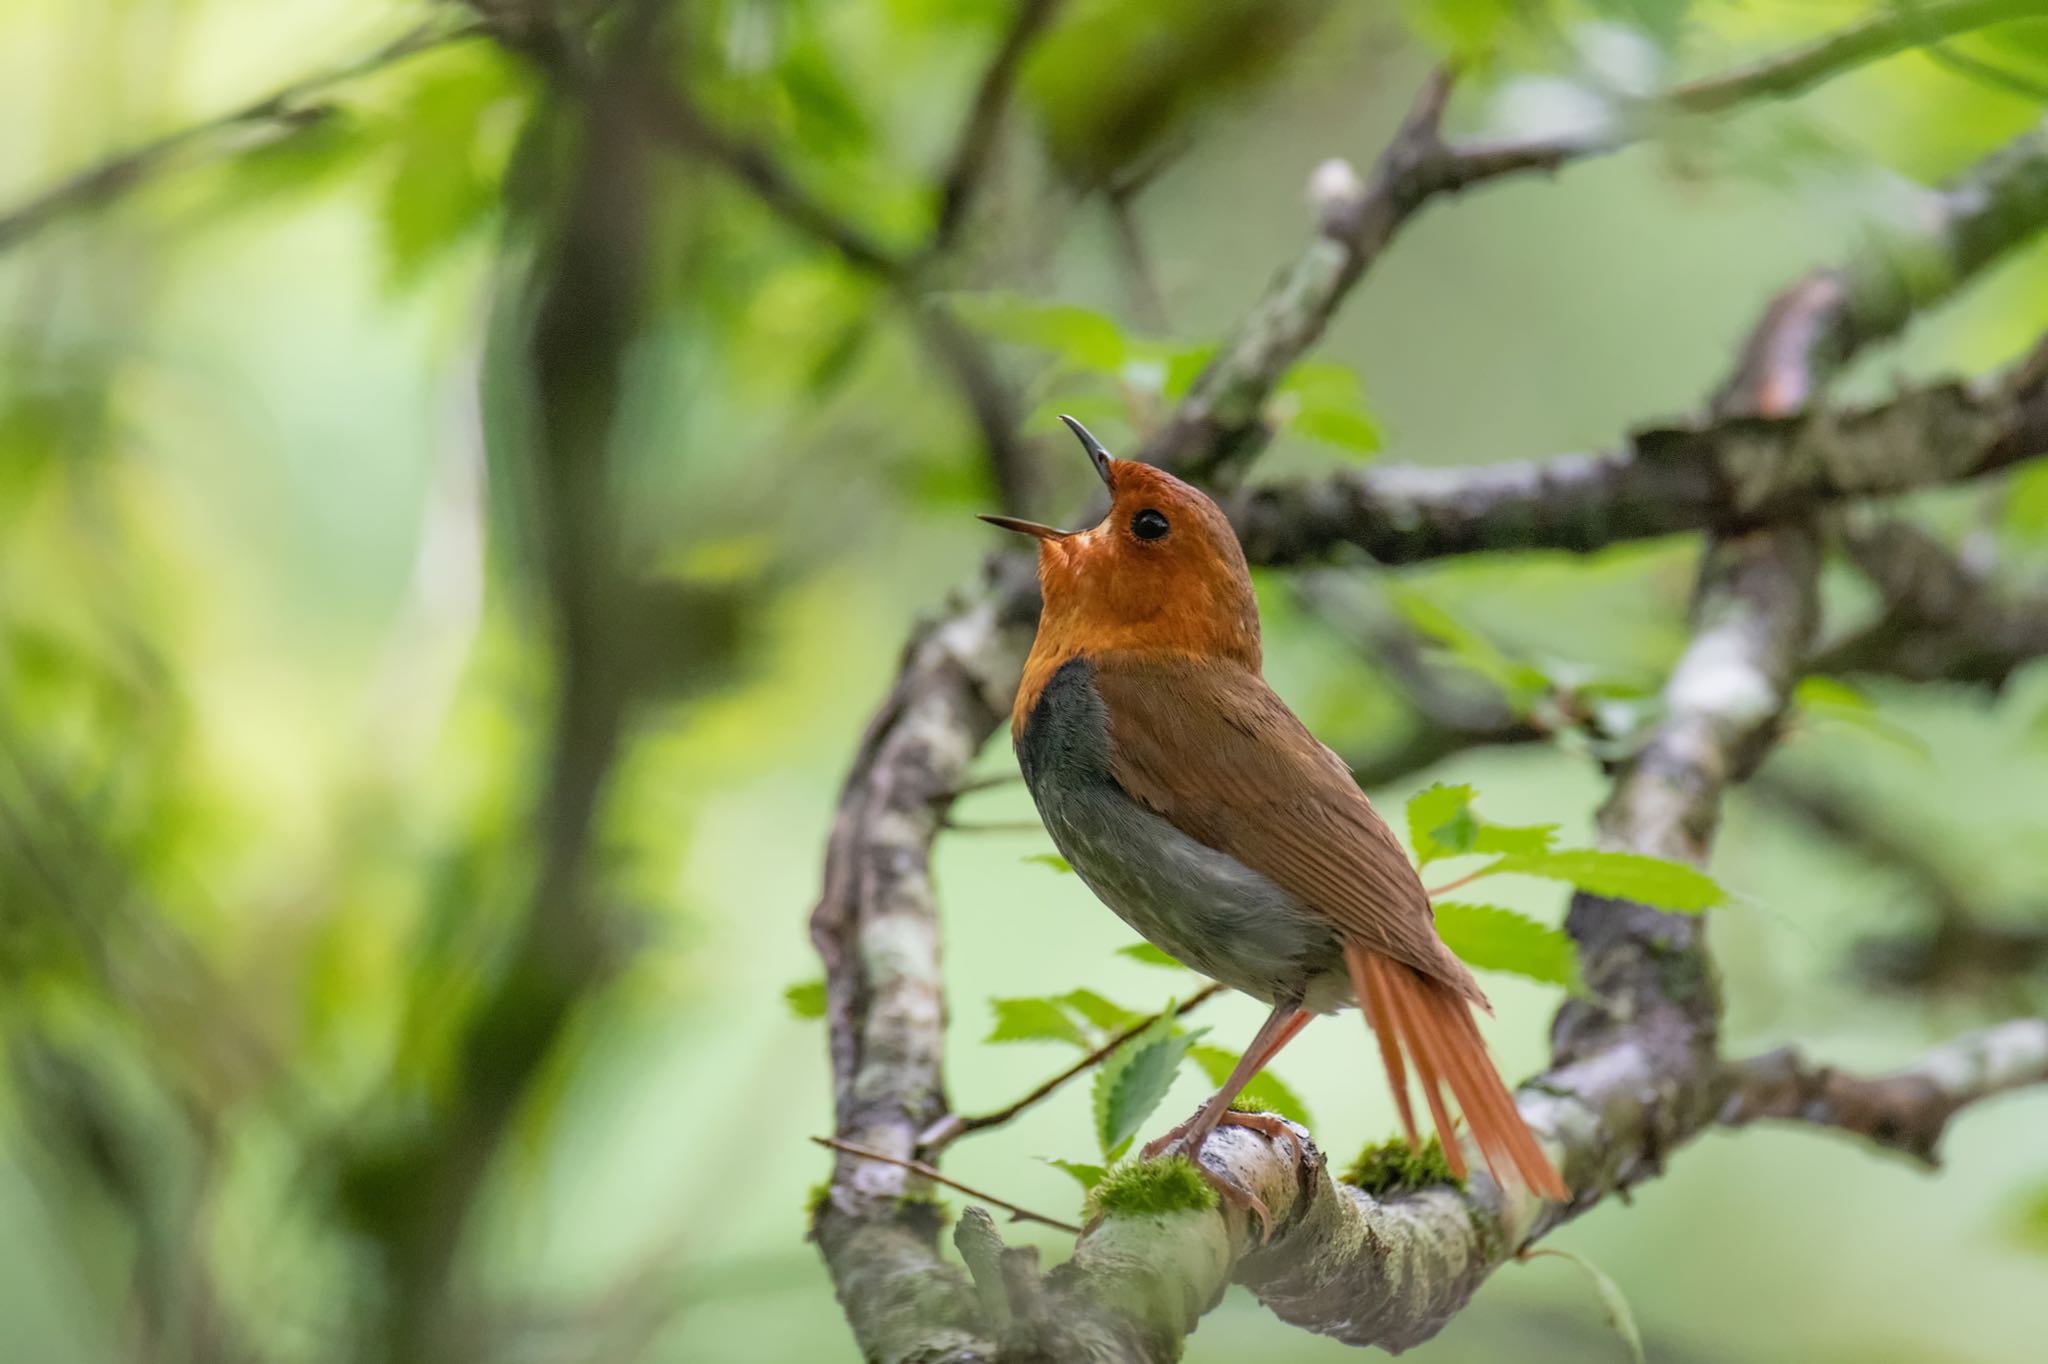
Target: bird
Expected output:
[1195,804]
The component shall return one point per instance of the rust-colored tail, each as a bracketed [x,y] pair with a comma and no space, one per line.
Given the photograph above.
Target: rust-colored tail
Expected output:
[1432,1024]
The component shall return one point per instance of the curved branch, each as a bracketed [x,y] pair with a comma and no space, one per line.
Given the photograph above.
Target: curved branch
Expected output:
[1621,1097]
[1907,1110]
[1788,74]
[1940,619]
[1730,474]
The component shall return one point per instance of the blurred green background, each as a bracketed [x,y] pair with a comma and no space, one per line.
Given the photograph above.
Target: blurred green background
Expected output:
[275,688]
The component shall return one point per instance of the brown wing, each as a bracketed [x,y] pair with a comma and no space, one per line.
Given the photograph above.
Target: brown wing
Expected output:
[1208,746]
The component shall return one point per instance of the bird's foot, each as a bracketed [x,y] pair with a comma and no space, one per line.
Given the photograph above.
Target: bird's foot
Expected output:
[1188,1140]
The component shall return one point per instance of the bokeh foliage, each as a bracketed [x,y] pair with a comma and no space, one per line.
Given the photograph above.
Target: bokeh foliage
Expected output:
[280,663]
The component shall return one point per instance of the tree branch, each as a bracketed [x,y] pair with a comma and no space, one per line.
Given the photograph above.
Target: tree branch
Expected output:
[288,106]
[1788,74]
[925,1171]
[1940,620]
[967,166]
[1907,1110]
[584,291]
[1963,944]
[1729,474]
[1389,1271]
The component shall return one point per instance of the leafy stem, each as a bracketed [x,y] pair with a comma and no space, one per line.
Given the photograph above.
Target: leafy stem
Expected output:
[953,1126]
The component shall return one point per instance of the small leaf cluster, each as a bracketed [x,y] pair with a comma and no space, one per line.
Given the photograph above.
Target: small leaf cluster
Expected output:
[1134,1079]
[1443,825]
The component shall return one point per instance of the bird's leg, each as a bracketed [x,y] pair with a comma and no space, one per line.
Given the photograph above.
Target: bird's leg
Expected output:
[1287,1019]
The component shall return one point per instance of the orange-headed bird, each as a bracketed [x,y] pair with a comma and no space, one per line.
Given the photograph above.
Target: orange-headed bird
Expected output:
[1196,805]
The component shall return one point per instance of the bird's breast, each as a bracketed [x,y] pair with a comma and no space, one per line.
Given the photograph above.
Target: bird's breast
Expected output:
[1201,906]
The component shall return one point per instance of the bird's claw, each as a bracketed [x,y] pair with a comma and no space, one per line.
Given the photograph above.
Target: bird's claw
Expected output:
[1182,1141]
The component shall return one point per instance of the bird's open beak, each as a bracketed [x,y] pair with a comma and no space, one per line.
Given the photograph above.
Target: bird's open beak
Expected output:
[1027,527]
[1101,457]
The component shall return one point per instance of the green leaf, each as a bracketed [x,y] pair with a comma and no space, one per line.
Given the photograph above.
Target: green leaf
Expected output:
[1133,1081]
[1830,693]
[446,159]
[1148,954]
[1267,1093]
[1621,876]
[1079,336]
[1618,1314]
[806,998]
[1087,1175]
[1521,685]
[1053,860]
[2030,1224]
[1034,1020]
[1496,939]
[1441,823]
[2026,503]
[1328,405]
[1467,29]
[1103,1013]
[1828,698]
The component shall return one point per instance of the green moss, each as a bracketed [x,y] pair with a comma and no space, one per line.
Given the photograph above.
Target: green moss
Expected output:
[1137,1188]
[819,1196]
[1395,1167]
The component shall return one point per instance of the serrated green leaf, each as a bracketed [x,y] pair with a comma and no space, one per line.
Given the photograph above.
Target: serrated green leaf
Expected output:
[1521,840]
[1088,1176]
[1053,860]
[1134,1079]
[1034,1019]
[1441,823]
[1621,876]
[1148,954]
[1496,939]
[1103,1013]
[1267,1092]
[1618,1314]
[806,998]
[1079,336]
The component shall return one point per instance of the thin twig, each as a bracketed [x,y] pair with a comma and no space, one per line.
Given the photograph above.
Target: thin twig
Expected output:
[100,184]
[918,1167]
[967,167]
[952,1127]
[674,118]
[968,788]
[1794,72]
[1449,886]
[993,826]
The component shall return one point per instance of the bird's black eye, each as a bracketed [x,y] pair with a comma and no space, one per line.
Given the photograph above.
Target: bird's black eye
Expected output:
[1149,524]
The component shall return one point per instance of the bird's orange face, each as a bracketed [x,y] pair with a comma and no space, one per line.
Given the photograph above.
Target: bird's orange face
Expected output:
[1162,573]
